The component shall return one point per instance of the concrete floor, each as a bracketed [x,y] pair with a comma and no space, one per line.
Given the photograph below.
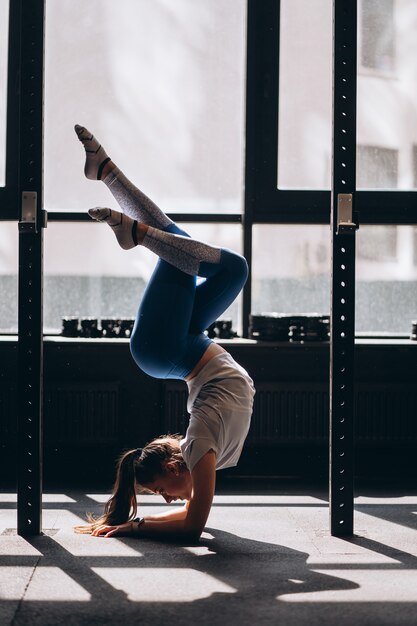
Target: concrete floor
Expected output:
[265,559]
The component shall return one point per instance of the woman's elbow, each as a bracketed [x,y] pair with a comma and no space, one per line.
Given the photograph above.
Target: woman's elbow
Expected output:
[193,536]
[193,532]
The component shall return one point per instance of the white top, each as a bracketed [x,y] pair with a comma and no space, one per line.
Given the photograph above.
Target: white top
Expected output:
[220,404]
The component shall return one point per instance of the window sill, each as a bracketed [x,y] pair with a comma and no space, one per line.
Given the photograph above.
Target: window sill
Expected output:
[360,340]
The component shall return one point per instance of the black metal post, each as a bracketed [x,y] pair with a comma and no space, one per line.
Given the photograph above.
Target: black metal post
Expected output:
[31,222]
[253,86]
[343,226]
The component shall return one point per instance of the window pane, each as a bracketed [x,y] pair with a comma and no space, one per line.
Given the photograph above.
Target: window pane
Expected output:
[305,103]
[103,281]
[4,35]
[387,94]
[377,34]
[377,168]
[386,273]
[161,84]
[291,274]
[8,276]
[291,269]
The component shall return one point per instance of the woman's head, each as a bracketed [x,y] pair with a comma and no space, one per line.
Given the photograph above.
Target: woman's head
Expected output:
[158,467]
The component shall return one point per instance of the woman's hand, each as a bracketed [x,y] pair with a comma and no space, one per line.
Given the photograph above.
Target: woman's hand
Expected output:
[112,531]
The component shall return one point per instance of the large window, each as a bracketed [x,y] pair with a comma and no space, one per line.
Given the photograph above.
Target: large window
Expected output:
[162,85]
[4,21]
[387,97]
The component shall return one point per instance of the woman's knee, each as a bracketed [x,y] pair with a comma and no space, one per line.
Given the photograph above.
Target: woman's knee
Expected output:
[244,268]
[237,264]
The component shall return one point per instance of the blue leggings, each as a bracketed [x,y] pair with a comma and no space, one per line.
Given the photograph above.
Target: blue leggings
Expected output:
[168,337]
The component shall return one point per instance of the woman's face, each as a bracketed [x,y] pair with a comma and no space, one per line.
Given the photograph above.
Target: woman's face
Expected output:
[173,484]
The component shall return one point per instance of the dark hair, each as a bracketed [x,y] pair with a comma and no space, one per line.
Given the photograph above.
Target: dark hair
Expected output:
[136,467]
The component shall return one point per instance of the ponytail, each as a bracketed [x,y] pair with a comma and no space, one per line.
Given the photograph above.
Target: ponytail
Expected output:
[122,505]
[119,508]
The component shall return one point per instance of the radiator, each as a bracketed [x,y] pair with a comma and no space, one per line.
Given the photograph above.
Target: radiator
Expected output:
[386,413]
[74,413]
[8,413]
[290,412]
[86,413]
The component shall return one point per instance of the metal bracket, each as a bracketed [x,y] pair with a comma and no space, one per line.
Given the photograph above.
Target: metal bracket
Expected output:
[28,218]
[345,216]
[28,221]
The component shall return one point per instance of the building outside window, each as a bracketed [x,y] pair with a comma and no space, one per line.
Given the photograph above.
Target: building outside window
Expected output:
[377,34]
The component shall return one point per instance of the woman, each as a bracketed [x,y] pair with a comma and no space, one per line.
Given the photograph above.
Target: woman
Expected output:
[168,341]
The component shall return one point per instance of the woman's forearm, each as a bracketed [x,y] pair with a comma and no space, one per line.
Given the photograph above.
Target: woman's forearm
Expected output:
[166,528]
[168,516]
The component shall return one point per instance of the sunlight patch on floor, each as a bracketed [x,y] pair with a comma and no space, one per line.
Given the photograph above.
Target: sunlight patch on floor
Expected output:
[48,584]
[148,584]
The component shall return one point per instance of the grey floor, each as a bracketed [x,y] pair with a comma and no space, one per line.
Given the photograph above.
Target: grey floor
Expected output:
[264,559]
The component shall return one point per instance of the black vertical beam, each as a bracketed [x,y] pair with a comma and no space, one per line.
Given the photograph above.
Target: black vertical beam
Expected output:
[30,366]
[251,94]
[261,131]
[342,343]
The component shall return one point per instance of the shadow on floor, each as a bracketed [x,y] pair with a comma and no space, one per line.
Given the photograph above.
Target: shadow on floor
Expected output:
[168,581]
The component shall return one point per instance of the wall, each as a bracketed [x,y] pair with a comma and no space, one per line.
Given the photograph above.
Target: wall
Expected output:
[98,403]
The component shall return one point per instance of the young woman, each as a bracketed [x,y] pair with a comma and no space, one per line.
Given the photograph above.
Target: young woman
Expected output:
[168,341]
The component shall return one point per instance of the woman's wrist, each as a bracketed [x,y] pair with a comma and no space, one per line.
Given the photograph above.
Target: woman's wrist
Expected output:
[136,524]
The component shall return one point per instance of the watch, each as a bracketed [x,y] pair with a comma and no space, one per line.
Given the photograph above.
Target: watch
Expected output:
[139,521]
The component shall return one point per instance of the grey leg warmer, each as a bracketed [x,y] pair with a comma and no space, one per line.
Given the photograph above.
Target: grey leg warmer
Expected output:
[182,252]
[133,202]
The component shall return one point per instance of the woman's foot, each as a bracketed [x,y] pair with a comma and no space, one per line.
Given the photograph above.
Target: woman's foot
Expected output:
[96,156]
[123,227]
